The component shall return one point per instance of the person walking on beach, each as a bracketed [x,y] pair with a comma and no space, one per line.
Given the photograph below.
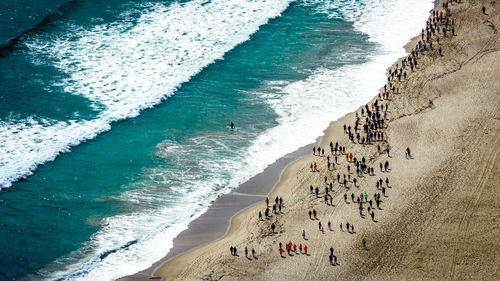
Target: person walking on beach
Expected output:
[310,214]
[273,227]
[304,234]
[246,251]
[253,252]
[364,243]
[305,249]
[267,201]
[260,215]
[314,213]
[232,250]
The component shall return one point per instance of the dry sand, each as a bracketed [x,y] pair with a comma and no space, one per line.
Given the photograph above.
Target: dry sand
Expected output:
[440,219]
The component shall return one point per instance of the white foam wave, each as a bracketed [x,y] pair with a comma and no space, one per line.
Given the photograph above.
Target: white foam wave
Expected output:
[126,67]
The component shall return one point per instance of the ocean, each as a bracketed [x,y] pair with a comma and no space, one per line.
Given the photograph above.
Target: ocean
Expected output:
[114,115]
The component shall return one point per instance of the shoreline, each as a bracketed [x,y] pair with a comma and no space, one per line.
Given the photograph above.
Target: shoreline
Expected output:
[171,266]
[216,221]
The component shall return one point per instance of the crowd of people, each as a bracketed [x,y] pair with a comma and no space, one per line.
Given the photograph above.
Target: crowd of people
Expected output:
[369,129]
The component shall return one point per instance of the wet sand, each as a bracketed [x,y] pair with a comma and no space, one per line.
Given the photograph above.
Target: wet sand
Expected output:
[214,223]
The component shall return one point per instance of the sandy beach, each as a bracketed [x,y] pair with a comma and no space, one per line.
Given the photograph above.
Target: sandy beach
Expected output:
[439,217]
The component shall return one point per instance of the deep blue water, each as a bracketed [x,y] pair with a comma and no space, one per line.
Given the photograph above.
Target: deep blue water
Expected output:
[138,128]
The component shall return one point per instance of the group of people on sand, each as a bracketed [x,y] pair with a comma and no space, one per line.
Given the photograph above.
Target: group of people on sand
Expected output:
[368,129]
[276,208]
[292,248]
[234,252]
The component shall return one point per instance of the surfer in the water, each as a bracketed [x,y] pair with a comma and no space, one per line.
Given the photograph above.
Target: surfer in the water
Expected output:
[232,126]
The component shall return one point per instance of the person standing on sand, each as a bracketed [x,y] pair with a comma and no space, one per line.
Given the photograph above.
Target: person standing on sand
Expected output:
[310,214]
[281,252]
[273,227]
[300,248]
[305,249]
[341,227]
[253,252]
[304,234]
[246,251]
[260,215]
[232,250]
[364,243]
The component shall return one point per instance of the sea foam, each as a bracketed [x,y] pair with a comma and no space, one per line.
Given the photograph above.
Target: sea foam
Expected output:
[126,67]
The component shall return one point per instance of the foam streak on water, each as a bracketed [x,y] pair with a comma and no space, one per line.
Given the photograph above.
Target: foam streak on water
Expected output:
[126,67]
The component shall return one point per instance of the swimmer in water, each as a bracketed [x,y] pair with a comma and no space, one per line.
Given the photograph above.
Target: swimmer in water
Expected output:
[232,126]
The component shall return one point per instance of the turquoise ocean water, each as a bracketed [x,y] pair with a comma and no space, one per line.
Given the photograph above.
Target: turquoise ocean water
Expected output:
[114,114]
